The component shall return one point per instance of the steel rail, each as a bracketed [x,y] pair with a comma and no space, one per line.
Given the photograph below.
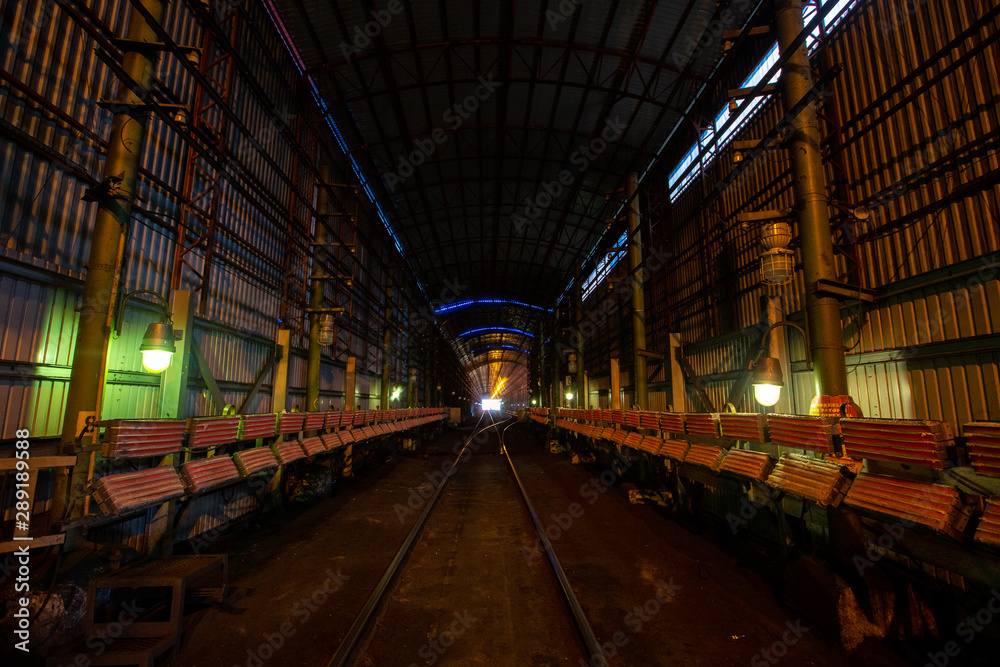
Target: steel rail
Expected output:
[349,644]
[579,617]
[350,641]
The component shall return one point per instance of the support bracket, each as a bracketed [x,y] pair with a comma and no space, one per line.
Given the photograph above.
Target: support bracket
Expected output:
[823,287]
[207,376]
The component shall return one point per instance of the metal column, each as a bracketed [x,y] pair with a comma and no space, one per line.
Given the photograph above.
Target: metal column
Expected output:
[825,328]
[411,375]
[581,384]
[349,378]
[616,385]
[386,348]
[174,380]
[678,390]
[279,381]
[317,287]
[121,166]
[639,375]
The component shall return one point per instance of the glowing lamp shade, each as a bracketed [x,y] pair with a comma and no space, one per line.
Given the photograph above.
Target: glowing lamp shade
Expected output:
[767,381]
[157,347]
[569,396]
[767,394]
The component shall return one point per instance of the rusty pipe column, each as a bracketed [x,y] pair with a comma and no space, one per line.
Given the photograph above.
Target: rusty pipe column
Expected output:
[826,331]
[386,347]
[317,289]
[411,375]
[581,390]
[121,166]
[639,379]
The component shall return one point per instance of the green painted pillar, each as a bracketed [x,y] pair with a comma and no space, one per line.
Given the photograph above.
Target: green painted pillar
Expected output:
[120,177]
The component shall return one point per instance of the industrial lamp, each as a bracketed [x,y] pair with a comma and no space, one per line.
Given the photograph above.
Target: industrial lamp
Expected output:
[326,327]
[767,381]
[157,346]
[158,343]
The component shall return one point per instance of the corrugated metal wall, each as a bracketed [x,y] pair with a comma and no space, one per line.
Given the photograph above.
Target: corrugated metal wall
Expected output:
[911,130]
[52,138]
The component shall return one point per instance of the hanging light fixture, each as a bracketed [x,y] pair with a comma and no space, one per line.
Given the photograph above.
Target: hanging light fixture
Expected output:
[327,330]
[157,346]
[158,343]
[777,263]
[767,381]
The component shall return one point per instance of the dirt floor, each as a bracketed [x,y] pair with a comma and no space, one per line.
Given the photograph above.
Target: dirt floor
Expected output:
[475,591]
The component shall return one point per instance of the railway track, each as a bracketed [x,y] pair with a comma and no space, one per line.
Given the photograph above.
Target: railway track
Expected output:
[362,625]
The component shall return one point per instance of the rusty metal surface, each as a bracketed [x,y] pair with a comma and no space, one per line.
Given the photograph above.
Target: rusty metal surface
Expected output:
[127,438]
[128,491]
[249,461]
[747,463]
[204,474]
[913,442]
[935,506]
[809,478]
[983,445]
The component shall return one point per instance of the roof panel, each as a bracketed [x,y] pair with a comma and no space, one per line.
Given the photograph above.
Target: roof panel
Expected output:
[536,91]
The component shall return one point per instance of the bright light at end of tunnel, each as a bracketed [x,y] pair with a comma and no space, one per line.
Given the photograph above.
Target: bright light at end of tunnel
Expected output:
[491,404]
[767,394]
[156,361]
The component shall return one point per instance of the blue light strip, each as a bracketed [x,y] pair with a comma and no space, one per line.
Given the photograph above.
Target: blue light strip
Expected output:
[487,302]
[473,332]
[300,65]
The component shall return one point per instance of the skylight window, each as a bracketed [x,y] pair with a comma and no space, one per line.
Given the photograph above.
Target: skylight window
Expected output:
[699,157]
[604,267]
